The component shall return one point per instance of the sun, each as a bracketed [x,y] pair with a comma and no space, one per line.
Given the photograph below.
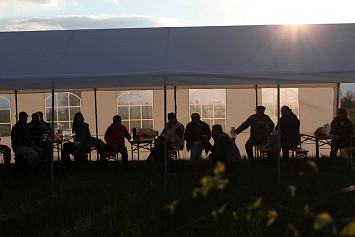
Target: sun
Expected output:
[303,11]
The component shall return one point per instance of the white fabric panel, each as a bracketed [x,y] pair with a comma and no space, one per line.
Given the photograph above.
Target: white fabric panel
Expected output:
[187,56]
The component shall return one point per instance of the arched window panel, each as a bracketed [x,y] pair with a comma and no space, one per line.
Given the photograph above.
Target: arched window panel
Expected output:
[288,96]
[5,116]
[210,104]
[135,108]
[66,105]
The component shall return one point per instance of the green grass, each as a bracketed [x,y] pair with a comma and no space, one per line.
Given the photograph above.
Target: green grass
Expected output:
[90,202]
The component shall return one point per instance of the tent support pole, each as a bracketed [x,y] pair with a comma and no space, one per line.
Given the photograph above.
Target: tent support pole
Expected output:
[338,95]
[165,140]
[175,99]
[52,140]
[96,124]
[256,95]
[278,134]
[16,107]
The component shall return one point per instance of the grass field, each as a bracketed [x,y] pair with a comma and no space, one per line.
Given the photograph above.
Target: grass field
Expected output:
[88,201]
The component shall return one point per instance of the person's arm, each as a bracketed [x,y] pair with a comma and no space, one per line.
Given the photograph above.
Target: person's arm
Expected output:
[180,131]
[108,137]
[187,135]
[243,126]
[127,134]
[84,139]
[20,138]
[208,131]
[349,130]
[209,146]
[334,128]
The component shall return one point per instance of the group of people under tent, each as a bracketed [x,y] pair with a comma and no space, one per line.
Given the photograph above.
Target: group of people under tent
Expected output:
[26,138]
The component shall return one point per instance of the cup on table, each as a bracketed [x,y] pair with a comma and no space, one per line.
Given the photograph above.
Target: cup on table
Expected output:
[232,130]
[45,137]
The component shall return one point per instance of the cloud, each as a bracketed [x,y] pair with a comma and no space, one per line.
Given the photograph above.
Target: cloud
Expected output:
[88,22]
[20,2]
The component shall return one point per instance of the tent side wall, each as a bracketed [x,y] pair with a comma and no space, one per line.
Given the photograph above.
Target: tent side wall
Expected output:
[317,107]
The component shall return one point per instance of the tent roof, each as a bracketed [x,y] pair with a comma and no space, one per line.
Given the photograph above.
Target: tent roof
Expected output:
[186,56]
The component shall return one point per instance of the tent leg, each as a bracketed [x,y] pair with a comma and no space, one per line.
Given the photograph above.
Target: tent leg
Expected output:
[278,134]
[165,143]
[256,95]
[175,100]
[16,107]
[96,122]
[52,140]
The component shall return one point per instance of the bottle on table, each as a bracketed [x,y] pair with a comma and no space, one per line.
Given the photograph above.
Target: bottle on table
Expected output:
[134,131]
[137,135]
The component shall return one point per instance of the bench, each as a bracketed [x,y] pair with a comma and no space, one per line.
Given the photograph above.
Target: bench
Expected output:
[349,149]
[261,151]
[83,155]
[173,153]
[110,155]
[300,152]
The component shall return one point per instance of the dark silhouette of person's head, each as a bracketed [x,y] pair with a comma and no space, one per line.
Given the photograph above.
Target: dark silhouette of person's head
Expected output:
[40,115]
[35,118]
[285,110]
[172,117]
[195,118]
[342,113]
[78,120]
[216,130]
[23,116]
[117,120]
[260,110]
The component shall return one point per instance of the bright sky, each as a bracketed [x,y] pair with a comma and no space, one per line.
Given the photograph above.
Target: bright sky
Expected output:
[20,15]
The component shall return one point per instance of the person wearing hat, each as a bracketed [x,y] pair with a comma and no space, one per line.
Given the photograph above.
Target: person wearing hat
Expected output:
[258,132]
[22,143]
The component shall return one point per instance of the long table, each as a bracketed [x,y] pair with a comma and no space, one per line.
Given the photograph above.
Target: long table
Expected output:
[144,143]
[320,141]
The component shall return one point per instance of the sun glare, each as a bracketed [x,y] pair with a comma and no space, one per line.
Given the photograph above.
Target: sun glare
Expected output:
[303,11]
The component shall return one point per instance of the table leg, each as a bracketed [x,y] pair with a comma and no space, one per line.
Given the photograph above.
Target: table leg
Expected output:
[132,151]
[58,151]
[317,150]
[138,153]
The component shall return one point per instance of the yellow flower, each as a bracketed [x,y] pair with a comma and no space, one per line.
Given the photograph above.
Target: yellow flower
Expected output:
[195,191]
[323,219]
[219,169]
[205,189]
[221,184]
[292,190]
[313,164]
[306,208]
[257,203]
[349,230]
[294,230]
[234,214]
[272,214]
[205,180]
[172,206]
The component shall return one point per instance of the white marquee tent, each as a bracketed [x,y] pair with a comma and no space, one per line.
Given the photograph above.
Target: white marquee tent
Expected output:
[186,56]
[231,55]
